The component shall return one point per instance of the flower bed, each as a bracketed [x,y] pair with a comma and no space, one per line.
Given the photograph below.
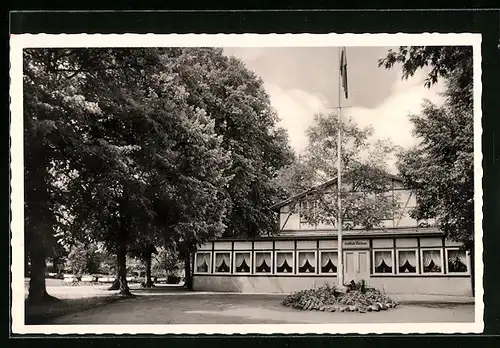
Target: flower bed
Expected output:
[354,297]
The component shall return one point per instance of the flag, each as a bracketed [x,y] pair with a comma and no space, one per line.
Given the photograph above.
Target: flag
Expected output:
[343,71]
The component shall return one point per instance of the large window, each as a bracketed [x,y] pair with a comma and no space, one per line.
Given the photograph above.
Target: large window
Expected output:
[203,262]
[329,262]
[263,262]
[306,261]
[242,261]
[432,261]
[457,261]
[407,261]
[222,262]
[284,262]
[383,262]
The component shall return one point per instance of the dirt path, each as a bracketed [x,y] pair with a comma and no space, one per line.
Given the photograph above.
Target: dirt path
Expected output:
[196,308]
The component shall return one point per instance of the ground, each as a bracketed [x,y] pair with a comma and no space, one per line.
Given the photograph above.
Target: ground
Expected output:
[173,305]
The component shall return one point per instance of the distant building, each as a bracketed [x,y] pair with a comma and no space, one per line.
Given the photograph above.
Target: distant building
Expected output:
[402,256]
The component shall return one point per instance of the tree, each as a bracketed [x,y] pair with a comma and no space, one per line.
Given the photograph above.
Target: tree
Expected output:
[41,195]
[443,61]
[167,262]
[237,101]
[133,151]
[441,167]
[83,258]
[365,177]
[145,251]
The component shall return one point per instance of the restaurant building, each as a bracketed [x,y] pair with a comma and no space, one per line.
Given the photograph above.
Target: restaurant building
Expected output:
[401,256]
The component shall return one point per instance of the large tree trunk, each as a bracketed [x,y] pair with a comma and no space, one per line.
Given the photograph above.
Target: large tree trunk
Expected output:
[472,272]
[148,283]
[121,257]
[37,290]
[187,272]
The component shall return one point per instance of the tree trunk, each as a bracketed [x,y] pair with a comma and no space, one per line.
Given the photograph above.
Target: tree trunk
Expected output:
[37,290]
[472,272]
[55,262]
[148,283]
[121,258]
[187,272]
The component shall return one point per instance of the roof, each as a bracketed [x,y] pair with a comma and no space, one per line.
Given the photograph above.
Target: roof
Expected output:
[314,188]
[351,234]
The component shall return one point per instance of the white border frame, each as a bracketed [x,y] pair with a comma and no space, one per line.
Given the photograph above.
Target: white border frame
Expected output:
[373,262]
[275,265]
[417,259]
[422,261]
[316,270]
[254,266]
[195,268]
[234,261]
[320,261]
[18,42]
[216,252]
[467,257]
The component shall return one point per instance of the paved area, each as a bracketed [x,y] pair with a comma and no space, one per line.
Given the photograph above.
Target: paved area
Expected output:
[155,307]
[174,305]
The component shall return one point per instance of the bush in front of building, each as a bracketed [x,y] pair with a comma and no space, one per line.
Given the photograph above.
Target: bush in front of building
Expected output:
[353,297]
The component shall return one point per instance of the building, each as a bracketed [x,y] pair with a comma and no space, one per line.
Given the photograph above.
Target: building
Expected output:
[402,256]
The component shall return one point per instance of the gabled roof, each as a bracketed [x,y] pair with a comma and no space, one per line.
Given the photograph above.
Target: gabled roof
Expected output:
[278,205]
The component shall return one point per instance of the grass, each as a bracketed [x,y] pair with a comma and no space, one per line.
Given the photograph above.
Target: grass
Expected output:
[43,312]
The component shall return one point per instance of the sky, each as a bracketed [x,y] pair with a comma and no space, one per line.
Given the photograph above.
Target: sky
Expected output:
[302,81]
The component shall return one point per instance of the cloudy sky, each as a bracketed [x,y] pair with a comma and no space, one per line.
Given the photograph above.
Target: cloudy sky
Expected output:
[302,81]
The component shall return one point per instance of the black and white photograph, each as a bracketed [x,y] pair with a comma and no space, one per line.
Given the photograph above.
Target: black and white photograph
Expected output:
[298,183]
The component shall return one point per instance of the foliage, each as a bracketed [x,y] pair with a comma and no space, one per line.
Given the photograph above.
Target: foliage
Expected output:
[442,61]
[167,262]
[235,98]
[356,297]
[441,167]
[365,178]
[83,259]
[138,147]
[130,149]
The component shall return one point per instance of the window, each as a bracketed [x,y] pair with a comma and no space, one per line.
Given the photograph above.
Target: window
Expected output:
[307,261]
[407,261]
[457,261]
[263,262]
[284,262]
[329,261]
[382,262]
[203,261]
[222,262]
[432,261]
[242,261]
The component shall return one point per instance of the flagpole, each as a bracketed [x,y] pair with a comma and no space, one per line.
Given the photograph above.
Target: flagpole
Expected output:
[340,270]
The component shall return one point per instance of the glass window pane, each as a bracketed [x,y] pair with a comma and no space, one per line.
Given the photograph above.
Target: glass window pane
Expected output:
[382,261]
[242,262]
[284,262]
[431,261]
[407,261]
[202,262]
[457,261]
[328,262]
[263,262]
[307,262]
[222,263]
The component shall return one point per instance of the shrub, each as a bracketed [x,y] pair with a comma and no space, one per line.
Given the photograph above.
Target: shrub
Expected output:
[355,296]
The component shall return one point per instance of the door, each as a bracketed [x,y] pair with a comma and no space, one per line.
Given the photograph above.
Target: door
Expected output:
[356,265]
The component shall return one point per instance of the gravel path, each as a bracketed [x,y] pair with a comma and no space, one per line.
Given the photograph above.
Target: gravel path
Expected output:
[193,308]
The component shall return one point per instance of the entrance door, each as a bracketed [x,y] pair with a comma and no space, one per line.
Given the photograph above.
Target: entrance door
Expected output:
[356,266]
